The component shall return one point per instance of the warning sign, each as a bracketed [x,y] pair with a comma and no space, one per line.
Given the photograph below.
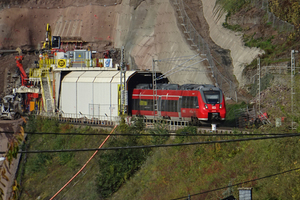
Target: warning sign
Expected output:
[61,63]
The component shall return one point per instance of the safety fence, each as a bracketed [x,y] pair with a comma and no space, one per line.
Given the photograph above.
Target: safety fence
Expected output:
[82,119]
[227,85]
[275,21]
[171,125]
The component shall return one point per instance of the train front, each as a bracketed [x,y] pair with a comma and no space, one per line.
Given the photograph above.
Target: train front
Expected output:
[213,108]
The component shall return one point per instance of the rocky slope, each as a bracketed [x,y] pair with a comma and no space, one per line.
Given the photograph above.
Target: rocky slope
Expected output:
[148,29]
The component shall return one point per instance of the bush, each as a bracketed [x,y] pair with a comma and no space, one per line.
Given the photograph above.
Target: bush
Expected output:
[117,166]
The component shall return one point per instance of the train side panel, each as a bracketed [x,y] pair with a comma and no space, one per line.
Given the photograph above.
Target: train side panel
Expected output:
[187,105]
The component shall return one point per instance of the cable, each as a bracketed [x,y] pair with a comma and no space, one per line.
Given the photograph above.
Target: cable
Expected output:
[84,164]
[156,146]
[163,135]
[240,183]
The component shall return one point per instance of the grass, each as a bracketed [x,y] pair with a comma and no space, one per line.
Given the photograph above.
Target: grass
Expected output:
[167,173]
[231,110]
[176,172]
[46,173]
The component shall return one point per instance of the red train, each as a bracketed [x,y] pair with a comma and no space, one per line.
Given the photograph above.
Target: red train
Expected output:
[189,102]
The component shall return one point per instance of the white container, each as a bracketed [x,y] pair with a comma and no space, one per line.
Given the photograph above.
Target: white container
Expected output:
[213,127]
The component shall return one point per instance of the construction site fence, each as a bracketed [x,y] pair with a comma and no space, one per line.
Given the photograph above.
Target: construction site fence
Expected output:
[225,83]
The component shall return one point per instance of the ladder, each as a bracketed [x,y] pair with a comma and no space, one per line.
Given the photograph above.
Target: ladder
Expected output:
[47,92]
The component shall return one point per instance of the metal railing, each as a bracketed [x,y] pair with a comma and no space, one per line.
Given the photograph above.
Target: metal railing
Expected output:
[228,87]
[110,121]
[82,119]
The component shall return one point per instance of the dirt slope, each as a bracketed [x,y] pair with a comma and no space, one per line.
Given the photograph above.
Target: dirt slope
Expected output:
[151,32]
[148,30]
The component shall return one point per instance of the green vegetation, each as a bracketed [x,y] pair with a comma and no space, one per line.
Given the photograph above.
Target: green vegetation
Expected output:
[264,84]
[44,174]
[265,44]
[176,172]
[231,110]
[165,173]
[276,43]
[116,167]
[111,168]
[235,27]
[229,7]
[286,10]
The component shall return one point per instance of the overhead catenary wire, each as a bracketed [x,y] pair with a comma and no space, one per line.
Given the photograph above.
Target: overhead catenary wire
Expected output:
[213,190]
[159,145]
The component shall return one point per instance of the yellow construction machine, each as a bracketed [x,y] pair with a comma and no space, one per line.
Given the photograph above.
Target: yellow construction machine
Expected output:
[47,45]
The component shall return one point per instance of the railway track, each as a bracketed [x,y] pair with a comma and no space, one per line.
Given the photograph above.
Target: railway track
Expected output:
[170,125]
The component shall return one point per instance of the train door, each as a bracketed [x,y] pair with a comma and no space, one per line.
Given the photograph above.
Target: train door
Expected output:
[159,106]
[179,106]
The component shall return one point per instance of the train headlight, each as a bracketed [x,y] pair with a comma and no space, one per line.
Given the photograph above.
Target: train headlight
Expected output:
[206,106]
[220,106]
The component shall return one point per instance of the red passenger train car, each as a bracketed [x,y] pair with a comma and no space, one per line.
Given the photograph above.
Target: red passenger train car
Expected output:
[189,102]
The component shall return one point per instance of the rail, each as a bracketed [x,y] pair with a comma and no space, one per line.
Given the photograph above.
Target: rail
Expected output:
[228,87]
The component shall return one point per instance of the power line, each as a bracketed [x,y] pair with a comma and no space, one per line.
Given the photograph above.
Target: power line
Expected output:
[160,145]
[163,135]
[239,183]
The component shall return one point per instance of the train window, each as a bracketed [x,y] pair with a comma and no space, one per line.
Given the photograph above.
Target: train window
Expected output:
[175,103]
[163,105]
[212,97]
[195,102]
[172,106]
[184,102]
[169,105]
[135,104]
[189,102]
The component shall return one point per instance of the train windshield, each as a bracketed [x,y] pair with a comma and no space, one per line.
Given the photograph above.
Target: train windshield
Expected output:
[212,97]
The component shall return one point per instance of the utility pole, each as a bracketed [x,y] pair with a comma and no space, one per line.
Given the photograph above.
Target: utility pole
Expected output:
[154,86]
[123,83]
[258,67]
[293,69]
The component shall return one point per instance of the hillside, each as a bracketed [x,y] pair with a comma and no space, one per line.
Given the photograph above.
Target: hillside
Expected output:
[268,166]
[148,30]
[151,29]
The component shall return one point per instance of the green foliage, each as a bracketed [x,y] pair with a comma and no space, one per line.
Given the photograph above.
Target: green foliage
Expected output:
[39,162]
[229,6]
[286,10]
[265,83]
[262,43]
[138,124]
[189,130]
[159,129]
[231,110]
[235,27]
[31,125]
[115,167]
[45,173]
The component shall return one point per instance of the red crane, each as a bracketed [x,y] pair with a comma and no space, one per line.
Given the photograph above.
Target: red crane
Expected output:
[24,77]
